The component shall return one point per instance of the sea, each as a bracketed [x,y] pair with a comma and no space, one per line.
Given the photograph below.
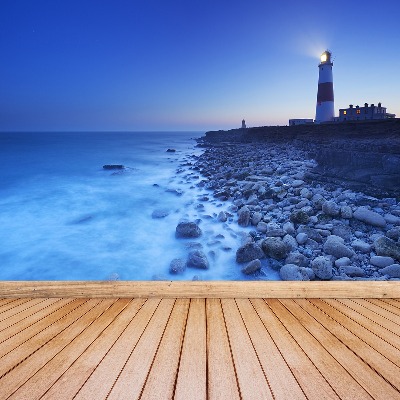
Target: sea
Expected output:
[64,217]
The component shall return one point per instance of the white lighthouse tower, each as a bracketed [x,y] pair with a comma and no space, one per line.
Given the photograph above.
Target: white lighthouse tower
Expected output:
[325,110]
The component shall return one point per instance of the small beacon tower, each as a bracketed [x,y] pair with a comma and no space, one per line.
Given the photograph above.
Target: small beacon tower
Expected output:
[243,124]
[325,110]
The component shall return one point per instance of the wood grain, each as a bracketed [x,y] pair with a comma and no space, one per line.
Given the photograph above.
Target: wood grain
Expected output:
[203,289]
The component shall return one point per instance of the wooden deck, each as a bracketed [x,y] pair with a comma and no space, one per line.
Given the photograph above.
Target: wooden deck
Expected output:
[215,346]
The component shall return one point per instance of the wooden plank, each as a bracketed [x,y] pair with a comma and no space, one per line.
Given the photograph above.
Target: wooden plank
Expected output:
[192,373]
[282,382]
[386,349]
[12,303]
[19,337]
[84,366]
[43,379]
[299,361]
[27,311]
[221,378]
[100,382]
[23,371]
[385,329]
[133,376]
[247,365]
[204,289]
[383,308]
[10,331]
[160,383]
[361,362]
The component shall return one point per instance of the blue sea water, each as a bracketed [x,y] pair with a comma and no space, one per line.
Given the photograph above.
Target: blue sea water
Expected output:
[63,217]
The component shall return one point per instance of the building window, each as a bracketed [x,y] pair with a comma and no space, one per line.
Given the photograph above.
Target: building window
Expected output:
[344,112]
[358,111]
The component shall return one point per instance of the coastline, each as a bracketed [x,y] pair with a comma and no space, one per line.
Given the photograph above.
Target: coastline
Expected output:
[303,227]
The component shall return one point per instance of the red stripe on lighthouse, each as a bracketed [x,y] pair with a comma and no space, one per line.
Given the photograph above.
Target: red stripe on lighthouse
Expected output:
[325,92]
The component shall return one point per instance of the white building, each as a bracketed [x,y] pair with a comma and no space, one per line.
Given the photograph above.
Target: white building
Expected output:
[358,113]
[325,109]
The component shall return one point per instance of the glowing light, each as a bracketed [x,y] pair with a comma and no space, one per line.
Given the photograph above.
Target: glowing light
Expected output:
[324,57]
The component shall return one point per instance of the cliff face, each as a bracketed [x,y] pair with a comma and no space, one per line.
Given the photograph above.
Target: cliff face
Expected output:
[362,156]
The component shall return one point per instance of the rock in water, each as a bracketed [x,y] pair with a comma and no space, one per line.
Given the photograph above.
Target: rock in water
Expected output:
[113,166]
[252,267]
[197,259]
[177,266]
[160,213]
[171,150]
[187,230]
[369,217]
[249,252]
[387,247]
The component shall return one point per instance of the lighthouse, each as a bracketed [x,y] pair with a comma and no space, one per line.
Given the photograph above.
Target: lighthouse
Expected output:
[325,110]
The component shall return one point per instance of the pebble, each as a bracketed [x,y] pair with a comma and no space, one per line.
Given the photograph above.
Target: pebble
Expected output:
[326,227]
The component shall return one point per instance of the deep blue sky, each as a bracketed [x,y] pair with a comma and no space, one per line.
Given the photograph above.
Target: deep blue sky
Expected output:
[197,65]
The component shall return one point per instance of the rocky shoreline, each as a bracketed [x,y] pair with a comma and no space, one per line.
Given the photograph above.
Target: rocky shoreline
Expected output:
[305,228]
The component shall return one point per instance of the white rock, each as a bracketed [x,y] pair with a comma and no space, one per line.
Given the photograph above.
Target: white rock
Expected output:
[297,183]
[391,270]
[290,242]
[288,227]
[342,262]
[381,261]
[346,212]
[392,219]
[301,238]
[369,217]
[360,245]
[322,267]
[335,246]
[331,208]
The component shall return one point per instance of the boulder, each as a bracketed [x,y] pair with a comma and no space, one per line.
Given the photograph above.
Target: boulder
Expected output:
[274,247]
[197,259]
[361,246]
[334,246]
[393,271]
[387,247]
[299,217]
[222,217]
[344,231]
[342,262]
[381,261]
[257,217]
[301,238]
[290,242]
[177,266]
[369,217]
[346,212]
[297,258]
[292,272]
[244,216]
[331,208]
[252,267]
[351,271]
[322,267]
[249,252]
[187,230]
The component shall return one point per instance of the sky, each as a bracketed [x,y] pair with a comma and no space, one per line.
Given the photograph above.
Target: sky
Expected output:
[142,65]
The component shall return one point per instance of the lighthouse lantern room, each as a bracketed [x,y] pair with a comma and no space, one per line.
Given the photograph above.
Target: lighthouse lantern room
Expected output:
[325,110]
